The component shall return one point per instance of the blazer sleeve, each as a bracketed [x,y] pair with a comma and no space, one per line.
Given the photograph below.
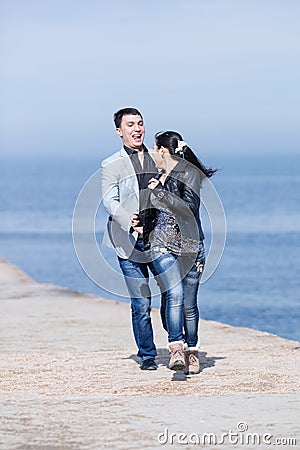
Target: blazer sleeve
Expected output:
[111,198]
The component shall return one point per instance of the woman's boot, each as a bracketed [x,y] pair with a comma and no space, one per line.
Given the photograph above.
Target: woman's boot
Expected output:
[176,356]
[192,364]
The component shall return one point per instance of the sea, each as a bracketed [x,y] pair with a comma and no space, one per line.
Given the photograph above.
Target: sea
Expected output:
[256,283]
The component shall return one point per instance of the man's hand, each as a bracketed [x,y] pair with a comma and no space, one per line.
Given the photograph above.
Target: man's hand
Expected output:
[136,224]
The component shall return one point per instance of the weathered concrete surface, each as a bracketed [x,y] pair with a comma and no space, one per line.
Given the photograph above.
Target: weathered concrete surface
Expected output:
[70,379]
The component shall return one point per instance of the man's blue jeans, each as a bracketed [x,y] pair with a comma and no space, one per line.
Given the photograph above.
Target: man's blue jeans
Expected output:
[135,271]
[179,280]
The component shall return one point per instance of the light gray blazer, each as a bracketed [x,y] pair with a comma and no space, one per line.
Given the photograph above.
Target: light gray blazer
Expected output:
[120,194]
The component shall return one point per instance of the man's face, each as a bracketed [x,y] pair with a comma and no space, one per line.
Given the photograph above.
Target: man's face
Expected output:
[132,131]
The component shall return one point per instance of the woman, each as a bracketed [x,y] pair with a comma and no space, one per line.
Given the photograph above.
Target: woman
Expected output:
[176,244]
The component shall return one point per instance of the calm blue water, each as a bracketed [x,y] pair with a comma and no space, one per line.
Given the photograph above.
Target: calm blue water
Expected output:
[257,283]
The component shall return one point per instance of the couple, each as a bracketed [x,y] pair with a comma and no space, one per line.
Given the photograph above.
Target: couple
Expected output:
[153,206]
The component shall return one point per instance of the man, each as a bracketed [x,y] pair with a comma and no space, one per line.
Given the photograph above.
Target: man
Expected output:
[125,176]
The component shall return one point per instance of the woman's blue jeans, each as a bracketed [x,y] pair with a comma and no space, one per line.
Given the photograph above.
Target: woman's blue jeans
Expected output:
[178,278]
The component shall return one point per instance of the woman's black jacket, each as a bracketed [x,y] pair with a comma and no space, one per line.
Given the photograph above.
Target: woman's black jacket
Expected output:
[181,194]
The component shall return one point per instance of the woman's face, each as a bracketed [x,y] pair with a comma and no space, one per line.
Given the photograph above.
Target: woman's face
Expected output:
[158,156]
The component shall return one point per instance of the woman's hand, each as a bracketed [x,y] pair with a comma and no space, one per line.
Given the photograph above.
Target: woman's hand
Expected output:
[153,182]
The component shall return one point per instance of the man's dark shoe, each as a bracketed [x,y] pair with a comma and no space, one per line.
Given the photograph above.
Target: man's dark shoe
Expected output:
[148,364]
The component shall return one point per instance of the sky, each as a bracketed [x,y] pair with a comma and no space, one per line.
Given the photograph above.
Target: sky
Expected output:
[224,73]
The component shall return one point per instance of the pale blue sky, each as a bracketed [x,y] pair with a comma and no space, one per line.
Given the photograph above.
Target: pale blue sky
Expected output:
[224,73]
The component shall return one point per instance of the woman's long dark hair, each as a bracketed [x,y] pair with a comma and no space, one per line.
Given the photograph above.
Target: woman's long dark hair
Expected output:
[170,139]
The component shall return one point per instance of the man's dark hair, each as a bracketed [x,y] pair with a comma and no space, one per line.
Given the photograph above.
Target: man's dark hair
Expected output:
[125,112]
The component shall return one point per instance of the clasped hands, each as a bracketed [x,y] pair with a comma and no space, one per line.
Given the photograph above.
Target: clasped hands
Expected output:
[136,223]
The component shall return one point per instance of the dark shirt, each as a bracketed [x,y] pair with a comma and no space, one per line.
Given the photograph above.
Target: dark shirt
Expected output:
[143,176]
[143,173]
